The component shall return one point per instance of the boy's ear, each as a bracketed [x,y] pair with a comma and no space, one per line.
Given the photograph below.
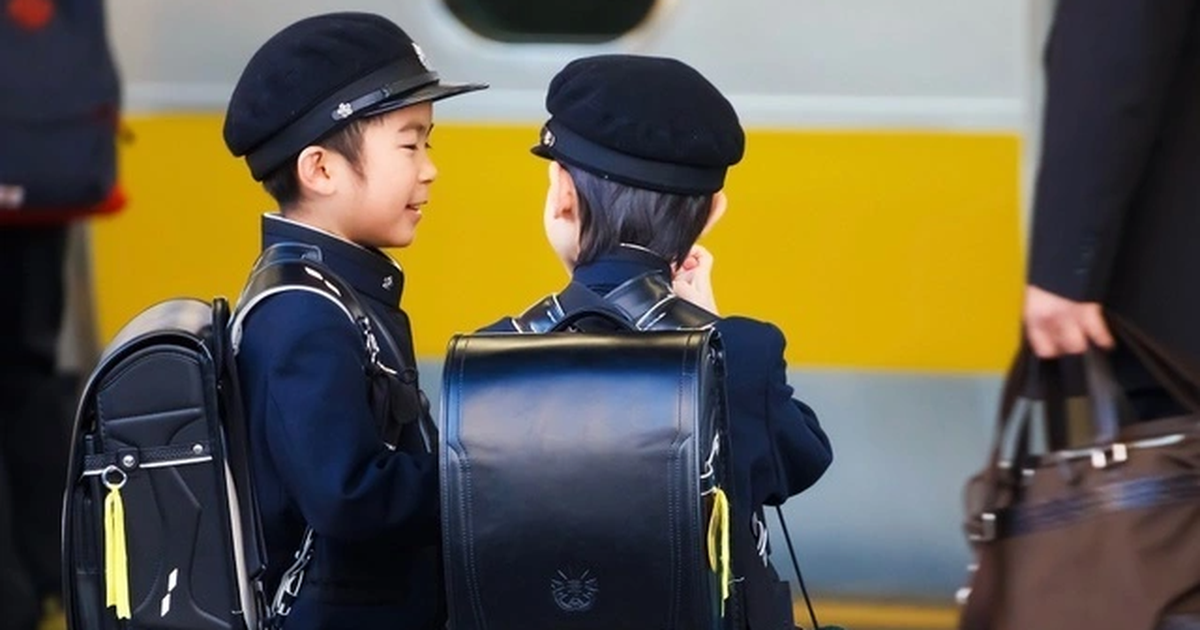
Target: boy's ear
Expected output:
[719,203]
[314,170]
[563,193]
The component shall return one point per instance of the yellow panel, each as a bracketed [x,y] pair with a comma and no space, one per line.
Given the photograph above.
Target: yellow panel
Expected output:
[881,250]
[189,228]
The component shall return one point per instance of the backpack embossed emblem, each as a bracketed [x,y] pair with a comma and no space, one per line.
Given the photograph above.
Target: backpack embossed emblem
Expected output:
[574,594]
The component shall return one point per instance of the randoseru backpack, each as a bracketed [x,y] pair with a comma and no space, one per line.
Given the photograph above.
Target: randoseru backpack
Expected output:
[160,524]
[584,469]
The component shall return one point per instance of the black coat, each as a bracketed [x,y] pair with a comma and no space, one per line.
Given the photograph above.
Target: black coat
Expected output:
[1117,202]
[318,457]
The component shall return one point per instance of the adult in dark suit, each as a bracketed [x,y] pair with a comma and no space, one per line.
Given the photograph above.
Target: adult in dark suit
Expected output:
[1117,203]
[639,148]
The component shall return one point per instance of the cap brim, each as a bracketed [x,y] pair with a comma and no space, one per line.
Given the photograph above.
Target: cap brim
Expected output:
[427,94]
[542,151]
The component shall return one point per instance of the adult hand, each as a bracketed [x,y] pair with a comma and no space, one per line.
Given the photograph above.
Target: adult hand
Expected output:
[1057,326]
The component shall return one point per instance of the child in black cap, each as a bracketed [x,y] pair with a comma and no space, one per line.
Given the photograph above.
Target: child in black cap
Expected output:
[333,115]
[639,147]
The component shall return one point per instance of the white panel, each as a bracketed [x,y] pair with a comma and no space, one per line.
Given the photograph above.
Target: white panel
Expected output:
[1039,17]
[910,63]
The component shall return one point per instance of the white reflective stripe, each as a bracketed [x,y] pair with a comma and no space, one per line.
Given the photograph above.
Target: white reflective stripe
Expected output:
[245,586]
[235,327]
[167,464]
[316,274]
[709,468]
[559,311]
[642,323]
[178,462]
[172,582]
[761,537]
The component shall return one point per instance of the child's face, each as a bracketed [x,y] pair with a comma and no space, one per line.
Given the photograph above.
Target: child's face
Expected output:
[384,204]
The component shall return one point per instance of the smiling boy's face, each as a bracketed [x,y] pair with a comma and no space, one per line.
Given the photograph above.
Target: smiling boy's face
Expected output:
[376,199]
[383,199]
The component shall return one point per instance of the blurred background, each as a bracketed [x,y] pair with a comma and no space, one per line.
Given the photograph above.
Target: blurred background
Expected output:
[877,219]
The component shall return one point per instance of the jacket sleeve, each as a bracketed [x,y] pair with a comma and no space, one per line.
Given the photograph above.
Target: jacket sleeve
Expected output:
[787,437]
[321,434]
[802,449]
[1110,65]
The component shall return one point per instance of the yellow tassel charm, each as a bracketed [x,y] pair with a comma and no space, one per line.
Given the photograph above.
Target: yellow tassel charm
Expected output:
[116,560]
[718,543]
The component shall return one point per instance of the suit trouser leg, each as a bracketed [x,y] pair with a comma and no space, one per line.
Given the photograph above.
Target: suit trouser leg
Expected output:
[34,421]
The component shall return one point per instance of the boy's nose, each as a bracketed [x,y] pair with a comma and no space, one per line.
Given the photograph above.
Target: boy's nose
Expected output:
[429,170]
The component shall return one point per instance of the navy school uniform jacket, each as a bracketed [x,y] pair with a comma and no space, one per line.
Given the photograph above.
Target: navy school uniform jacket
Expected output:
[319,459]
[778,447]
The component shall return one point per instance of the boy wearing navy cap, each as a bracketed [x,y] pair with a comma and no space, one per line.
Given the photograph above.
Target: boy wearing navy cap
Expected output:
[639,147]
[333,115]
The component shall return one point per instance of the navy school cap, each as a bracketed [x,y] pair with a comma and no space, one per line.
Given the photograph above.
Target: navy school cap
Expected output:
[319,74]
[649,122]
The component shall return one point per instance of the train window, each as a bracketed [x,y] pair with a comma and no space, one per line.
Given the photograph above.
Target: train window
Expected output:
[551,21]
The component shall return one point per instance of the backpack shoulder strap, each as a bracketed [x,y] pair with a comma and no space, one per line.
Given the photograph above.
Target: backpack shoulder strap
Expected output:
[646,301]
[297,267]
[651,304]
[546,314]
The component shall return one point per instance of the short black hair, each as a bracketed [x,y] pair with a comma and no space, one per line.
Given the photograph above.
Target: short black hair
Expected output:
[611,213]
[282,183]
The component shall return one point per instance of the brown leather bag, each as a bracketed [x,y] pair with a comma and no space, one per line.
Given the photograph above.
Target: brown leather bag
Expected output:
[1106,536]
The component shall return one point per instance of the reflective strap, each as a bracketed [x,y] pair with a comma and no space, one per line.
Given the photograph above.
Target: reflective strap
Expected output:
[761,537]
[130,459]
[293,579]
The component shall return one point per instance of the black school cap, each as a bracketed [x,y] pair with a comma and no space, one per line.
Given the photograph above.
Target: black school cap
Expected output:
[649,122]
[317,75]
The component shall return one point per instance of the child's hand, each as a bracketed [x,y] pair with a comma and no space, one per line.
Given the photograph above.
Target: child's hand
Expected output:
[693,279]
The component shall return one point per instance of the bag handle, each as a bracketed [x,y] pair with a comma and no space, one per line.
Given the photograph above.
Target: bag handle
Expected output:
[1029,380]
[1109,403]
[1027,371]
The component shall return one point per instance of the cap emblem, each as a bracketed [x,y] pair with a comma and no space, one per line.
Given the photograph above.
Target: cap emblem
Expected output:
[547,137]
[344,111]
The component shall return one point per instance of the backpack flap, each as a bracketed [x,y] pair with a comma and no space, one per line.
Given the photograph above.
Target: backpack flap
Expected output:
[577,472]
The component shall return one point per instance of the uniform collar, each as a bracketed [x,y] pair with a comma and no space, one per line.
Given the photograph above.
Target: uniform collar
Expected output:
[614,268]
[368,270]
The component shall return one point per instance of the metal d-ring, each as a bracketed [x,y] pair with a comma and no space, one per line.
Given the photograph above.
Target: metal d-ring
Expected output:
[113,485]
